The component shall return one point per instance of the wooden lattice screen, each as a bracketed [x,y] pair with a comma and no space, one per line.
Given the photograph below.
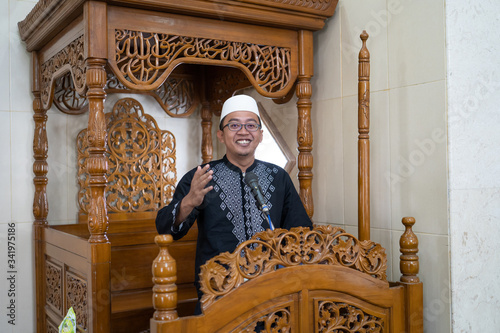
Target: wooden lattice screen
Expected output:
[141,161]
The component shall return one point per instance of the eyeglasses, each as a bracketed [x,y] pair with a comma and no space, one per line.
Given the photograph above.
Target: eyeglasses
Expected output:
[235,127]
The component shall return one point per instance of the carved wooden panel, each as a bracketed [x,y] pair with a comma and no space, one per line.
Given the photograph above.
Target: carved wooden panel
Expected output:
[271,249]
[76,297]
[70,58]
[53,285]
[141,158]
[66,98]
[224,81]
[177,95]
[143,57]
[50,326]
[331,316]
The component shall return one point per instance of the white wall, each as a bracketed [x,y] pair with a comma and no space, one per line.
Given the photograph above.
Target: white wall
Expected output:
[474,158]
[16,169]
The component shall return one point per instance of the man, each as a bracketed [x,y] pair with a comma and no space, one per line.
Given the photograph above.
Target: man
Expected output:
[217,196]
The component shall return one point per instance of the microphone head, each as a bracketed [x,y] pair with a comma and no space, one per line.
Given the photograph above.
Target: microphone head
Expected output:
[251,179]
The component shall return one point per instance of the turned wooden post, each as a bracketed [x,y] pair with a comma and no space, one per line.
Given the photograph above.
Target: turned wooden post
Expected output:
[304,127]
[95,18]
[409,248]
[413,286]
[164,277]
[364,141]
[40,202]
[206,126]
[97,165]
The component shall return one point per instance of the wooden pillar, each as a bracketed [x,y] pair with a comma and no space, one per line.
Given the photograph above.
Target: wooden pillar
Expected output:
[364,141]
[97,165]
[95,17]
[304,127]
[206,126]
[409,267]
[40,202]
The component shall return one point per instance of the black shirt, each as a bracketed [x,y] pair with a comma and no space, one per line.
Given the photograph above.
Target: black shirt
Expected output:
[229,215]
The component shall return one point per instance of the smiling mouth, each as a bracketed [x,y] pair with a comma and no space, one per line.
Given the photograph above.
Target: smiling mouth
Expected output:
[243,142]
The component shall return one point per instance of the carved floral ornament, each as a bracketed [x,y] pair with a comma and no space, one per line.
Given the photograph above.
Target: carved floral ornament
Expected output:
[279,320]
[76,297]
[269,249]
[177,95]
[70,59]
[339,316]
[65,74]
[141,158]
[53,285]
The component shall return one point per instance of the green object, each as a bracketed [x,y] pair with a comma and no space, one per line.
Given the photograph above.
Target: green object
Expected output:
[68,324]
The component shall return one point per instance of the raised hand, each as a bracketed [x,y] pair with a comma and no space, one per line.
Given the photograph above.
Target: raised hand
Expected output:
[199,185]
[196,193]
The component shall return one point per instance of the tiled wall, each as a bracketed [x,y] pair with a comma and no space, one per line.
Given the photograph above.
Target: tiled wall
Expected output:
[409,133]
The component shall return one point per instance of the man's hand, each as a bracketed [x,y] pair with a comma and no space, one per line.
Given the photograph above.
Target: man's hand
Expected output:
[196,193]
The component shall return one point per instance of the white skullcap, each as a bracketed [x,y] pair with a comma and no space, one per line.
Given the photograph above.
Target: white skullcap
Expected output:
[239,103]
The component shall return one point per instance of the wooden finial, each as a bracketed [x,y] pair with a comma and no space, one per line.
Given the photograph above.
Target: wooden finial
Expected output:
[409,248]
[364,36]
[164,277]
[364,53]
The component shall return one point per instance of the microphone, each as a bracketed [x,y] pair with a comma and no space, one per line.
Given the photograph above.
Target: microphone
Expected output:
[252,180]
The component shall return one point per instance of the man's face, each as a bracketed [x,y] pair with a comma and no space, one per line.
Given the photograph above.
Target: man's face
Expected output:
[240,143]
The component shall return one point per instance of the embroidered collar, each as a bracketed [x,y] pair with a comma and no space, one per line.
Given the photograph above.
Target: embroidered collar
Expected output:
[237,169]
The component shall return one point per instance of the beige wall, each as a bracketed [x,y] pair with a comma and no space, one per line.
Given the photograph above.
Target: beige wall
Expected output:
[409,134]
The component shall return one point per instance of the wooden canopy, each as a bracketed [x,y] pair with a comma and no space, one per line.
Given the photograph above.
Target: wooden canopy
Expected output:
[83,50]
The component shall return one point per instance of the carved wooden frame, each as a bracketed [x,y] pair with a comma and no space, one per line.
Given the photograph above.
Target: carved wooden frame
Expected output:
[75,46]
